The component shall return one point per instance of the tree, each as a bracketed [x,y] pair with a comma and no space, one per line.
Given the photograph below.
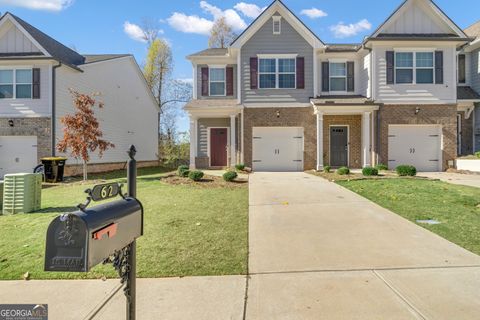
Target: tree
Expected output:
[81,131]
[221,35]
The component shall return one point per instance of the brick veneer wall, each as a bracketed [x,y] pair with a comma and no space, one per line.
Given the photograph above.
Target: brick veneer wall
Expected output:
[289,117]
[467,134]
[354,123]
[445,115]
[77,170]
[40,127]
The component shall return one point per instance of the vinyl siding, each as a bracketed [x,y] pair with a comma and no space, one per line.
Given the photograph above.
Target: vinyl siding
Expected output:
[129,116]
[29,107]
[265,42]
[199,83]
[365,75]
[13,40]
[475,70]
[416,93]
[202,134]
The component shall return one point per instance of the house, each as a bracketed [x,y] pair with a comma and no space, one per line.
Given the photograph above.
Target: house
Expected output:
[280,99]
[470,57]
[36,73]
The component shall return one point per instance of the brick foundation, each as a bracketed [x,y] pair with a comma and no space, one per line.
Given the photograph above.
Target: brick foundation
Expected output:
[445,115]
[39,127]
[289,117]
[354,123]
[77,170]
[202,162]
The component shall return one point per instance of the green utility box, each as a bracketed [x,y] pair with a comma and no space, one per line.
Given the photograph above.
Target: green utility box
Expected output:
[22,193]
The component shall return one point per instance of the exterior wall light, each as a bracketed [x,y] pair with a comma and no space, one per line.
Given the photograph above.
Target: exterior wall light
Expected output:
[11,123]
[278,113]
[417,110]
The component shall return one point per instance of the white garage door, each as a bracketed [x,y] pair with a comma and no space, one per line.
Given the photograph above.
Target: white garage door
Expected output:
[419,146]
[277,149]
[18,154]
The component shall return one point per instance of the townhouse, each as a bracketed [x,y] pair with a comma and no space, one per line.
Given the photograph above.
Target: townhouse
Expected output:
[280,99]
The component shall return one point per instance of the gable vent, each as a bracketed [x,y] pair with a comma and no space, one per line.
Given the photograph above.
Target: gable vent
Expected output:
[277,24]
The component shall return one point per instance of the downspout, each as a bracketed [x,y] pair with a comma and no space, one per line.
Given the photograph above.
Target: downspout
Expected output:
[53,129]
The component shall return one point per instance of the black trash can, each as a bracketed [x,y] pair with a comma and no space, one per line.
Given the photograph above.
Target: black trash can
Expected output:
[54,168]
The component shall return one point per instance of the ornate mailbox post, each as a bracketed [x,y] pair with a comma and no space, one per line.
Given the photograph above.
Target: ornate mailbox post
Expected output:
[106,233]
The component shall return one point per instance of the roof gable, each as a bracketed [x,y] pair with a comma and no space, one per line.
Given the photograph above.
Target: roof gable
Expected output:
[419,17]
[289,16]
[14,42]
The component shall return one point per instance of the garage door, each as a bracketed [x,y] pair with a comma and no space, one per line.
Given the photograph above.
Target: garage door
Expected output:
[277,149]
[419,146]
[18,154]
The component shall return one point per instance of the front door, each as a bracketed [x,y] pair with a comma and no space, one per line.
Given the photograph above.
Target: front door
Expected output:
[339,146]
[218,147]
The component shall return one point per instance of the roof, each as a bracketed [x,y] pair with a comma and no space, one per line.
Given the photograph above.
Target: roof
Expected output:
[473,30]
[341,99]
[467,93]
[208,103]
[211,52]
[91,58]
[343,47]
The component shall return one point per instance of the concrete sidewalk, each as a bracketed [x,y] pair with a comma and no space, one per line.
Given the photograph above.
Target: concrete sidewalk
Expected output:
[471,180]
[319,251]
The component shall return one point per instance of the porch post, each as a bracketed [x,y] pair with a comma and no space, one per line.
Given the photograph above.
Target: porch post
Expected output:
[233,147]
[193,141]
[319,141]
[366,139]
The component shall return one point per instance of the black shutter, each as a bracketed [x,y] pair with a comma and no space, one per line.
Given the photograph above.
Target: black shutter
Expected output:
[300,73]
[439,67]
[350,76]
[461,69]
[36,83]
[325,77]
[390,56]
[229,85]
[205,82]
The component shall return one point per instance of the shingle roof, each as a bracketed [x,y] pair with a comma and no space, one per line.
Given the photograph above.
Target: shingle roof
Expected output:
[91,58]
[473,30]
[211,52]
[417,35]
[341,99]
[343,47]
[467,93]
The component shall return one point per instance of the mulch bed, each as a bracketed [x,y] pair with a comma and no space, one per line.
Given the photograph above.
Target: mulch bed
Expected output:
[206,182]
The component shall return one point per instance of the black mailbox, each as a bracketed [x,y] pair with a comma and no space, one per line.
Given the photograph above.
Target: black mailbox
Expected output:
[80,240]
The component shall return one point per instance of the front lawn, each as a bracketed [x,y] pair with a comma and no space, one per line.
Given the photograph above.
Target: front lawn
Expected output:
[456,207]
[190,229]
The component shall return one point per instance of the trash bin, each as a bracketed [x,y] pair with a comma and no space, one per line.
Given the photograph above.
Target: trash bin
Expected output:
[54,168]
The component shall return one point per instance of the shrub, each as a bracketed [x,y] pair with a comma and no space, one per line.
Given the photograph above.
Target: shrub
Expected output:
[381,167]
[406,170]
[183,171]
[229,176]
[343,171]
[477,154]
[327,169]
[195,175]
[240,167]
[369,171]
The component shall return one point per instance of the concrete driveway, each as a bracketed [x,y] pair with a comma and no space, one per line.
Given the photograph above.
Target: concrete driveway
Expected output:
[319,251]
[472,180]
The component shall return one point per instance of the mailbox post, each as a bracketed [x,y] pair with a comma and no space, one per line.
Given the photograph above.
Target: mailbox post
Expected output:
[106,233]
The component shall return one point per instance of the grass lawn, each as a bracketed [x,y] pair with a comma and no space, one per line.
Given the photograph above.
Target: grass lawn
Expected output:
[189,229]
[456,207]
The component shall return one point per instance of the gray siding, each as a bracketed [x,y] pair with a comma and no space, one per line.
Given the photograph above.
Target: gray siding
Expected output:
[199,83]
[474,70]
[265,42]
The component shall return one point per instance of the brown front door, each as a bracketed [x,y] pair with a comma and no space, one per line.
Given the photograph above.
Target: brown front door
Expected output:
[218,147]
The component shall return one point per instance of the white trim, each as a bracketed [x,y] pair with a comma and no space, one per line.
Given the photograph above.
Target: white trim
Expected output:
[208,144]
[337,60]
[242,140]
[224,68]
[28,35]
[330,142]
[279,20]
[14,83]
[459,134]
[333,92]
[320,146]
[195,80]
[217,66]
[414,68]
[277,72]
[277,56]
[366,138]
[239,76]
[342,110]
[315,74]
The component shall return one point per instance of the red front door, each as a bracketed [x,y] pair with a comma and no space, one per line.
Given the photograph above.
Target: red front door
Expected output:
[218,147]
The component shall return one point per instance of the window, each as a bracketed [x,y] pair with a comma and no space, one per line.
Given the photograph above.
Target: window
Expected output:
[277,24]
[461,69]
[16,84]
[338,76]
[217,81]
[414,67]
[277,73]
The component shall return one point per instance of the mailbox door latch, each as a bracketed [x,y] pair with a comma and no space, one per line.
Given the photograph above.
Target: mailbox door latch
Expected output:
[108,232]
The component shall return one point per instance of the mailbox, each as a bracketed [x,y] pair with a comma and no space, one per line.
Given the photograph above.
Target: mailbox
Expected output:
[80,240]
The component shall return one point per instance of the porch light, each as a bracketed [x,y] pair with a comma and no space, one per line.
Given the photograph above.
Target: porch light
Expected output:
[278,113]
[10,123]
[417,110]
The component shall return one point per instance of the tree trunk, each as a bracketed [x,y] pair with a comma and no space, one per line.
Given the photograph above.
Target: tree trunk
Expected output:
[85,171]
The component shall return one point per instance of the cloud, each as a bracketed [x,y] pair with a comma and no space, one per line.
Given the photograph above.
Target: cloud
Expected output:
[248,9]
[231,16]
[47,5]
[342,30]
[190,24]
[314,13]
[134,31]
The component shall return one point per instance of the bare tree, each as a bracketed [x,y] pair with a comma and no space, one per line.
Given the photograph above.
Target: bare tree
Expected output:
[221,35]
[150,29]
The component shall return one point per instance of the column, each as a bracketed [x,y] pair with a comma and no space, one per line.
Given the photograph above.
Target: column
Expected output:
[193,141]
[366,140]
[233,145]
[319,141]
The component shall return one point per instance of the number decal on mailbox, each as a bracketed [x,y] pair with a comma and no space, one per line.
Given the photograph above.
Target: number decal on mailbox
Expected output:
[105,191]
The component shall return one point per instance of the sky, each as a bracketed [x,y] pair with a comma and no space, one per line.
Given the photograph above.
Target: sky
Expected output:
[114,26]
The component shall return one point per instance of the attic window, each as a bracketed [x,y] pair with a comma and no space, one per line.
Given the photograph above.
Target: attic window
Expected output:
[277,24]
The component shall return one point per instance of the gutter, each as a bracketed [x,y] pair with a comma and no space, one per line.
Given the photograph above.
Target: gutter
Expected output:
[53,128]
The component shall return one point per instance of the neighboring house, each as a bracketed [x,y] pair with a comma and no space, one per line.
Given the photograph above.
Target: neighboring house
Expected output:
[36,73]
[471,55]
[279,99]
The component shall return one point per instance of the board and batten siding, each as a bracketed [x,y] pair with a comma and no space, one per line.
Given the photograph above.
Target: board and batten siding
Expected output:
[265,42]
[445,93]
[29,107]
[14,41]
[129,115]
[474,67]
[199,83]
